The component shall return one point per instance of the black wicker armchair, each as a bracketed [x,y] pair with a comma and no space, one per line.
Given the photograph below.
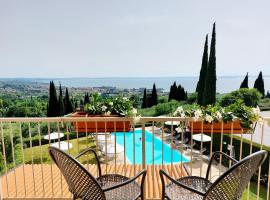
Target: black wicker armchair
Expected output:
[85,186]
[229,186]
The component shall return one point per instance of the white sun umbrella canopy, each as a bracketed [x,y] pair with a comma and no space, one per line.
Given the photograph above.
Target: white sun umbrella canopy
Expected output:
[62,145]
[111,149]
[53,136]
[201,137]
[174,123]
[104,137]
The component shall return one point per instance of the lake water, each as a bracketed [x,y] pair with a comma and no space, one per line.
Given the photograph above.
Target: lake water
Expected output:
[224,84]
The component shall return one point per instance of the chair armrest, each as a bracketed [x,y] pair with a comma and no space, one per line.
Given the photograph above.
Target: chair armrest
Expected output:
[142,173]
[96,157]
[162,173]
[212,158]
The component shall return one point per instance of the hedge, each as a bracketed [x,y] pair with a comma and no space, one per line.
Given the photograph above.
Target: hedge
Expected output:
[236,142]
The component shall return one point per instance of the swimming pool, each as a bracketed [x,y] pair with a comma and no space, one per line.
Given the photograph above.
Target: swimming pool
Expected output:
[168,153]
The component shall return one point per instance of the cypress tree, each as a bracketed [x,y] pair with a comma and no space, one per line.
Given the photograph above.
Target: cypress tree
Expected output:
[144,100]
[61,102]
[53,107]
[201,83]
[173,92]
[76,104]
[267,95]
[86,98]
[69,107]
[209,93]
[153,98]
[244,84]
[170,94]
[259,84]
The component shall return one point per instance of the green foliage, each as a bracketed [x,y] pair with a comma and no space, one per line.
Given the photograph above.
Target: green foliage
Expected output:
[244,148]
[160,109]
[192,98]
[53,106]
[250,97]
[244,84]
[61,102]
[68,104]
[135,99]
[120,106]
[177,93]
[153,98]
[264,104]
[209,92]
[259,84]
[144,100]
[86,98]
[201,83]
[162,99]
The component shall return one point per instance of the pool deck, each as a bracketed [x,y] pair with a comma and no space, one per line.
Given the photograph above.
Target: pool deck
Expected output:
[52,185]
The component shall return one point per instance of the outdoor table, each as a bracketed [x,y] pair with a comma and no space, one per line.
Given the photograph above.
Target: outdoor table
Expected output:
[62,145]
[111,149]
[201,137]
[54,136]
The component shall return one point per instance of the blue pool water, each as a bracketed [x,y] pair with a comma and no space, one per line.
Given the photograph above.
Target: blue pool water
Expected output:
[169,155]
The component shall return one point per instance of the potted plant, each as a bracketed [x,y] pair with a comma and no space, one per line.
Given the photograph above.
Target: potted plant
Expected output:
[222,119]
[109,107]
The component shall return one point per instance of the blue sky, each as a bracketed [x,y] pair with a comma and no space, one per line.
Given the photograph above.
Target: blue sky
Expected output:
[64,38]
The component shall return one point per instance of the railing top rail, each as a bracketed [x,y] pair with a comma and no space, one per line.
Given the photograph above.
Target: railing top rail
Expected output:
[78,119]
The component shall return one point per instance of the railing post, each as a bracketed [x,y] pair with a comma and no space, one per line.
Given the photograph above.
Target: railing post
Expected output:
[143,153]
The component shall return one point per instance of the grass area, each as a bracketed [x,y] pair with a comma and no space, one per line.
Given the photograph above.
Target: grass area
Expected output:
[253,192]
[78,145]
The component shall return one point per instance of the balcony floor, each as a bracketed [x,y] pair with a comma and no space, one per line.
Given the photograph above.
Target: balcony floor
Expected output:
[52,185]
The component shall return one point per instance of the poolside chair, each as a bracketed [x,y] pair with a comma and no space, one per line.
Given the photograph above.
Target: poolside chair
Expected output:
[229,186]
[85,186]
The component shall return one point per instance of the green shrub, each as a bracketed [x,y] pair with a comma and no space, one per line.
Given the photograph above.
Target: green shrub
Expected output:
[245,149]
[160,109]
[192,98]
[250,97]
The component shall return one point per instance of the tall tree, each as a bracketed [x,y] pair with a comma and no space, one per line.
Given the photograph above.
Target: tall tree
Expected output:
[209,93]
[61,102]
[153,98]
[144,100]
[53,106]
[69,106]
[259,84]
[86,98]
[201,83]
[244,84]
[173,92]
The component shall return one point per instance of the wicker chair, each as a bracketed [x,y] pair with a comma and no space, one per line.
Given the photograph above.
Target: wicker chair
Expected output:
[85,186]
[229,186]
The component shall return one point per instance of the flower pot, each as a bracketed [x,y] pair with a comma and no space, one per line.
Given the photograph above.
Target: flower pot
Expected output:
[99,126]
[217,127]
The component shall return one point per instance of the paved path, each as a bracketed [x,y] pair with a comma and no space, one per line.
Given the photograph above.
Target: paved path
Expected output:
[258,131]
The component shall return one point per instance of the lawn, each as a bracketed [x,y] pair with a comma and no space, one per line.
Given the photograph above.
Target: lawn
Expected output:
[78,145]
[253,192]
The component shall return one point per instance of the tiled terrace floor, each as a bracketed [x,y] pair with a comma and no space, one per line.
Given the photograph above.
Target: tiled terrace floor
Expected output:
[52,185]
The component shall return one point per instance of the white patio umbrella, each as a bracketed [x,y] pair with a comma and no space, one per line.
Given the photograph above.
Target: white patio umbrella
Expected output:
[104,137]
[111,149]
[174,123]
[62,145]
[201,137]
[53,136]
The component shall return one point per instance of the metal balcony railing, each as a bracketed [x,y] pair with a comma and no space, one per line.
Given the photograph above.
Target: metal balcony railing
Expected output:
[124,145]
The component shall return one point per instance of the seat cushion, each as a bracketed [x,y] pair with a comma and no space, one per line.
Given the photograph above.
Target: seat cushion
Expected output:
[176,192]
[127,192]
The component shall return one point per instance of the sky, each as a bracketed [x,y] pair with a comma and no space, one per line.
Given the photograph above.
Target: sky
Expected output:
[125,38]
